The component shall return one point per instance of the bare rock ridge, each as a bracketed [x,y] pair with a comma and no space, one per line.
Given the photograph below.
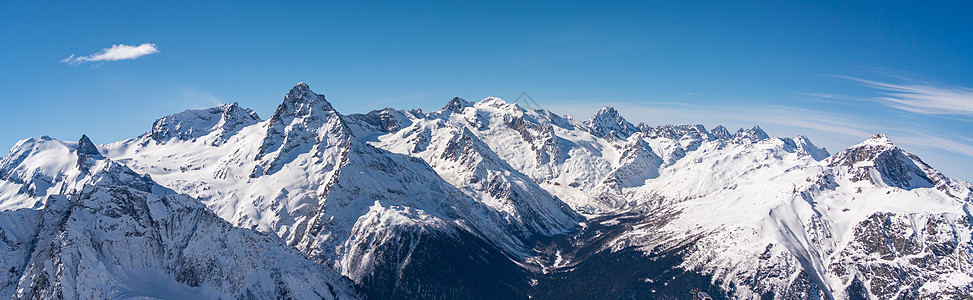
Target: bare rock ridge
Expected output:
[455,105]
[892,165]
[86,147]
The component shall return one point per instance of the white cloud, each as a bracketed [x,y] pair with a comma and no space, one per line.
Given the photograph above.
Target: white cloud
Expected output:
[923,98]
[116,52]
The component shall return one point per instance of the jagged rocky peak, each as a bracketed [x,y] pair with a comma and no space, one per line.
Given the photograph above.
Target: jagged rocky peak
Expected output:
[86,147]
[607,122]
[87,153]
[383,120]
[456,105]
[301,90]
[232,114]
[697,131]
[194,123]
[303,105]
[106,172]
[720,132]
[607,113]
[753,134]
[300,101]
[416,113]
[304,120]
[865,151]
[893,166]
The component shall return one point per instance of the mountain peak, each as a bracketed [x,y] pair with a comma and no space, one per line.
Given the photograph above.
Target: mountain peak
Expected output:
[753,134]
[194,123]
[607,122]
[86,147]
[300,87]
[867,150]
[607,110]
[302,92]
[300,101]
[892,165]
[493,101]
[233,110]
[302,121]
[879,139]
[720,132]
[456,105]
[86,151]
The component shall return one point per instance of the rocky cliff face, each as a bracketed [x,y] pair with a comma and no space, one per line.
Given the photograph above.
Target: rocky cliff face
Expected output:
[903,256]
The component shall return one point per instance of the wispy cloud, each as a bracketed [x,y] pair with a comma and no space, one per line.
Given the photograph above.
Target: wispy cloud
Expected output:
[923,98]
[819,95]
[929,141]
[116,52]
[823,121]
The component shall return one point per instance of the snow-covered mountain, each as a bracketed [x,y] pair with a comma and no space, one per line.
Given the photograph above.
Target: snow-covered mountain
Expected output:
[111,233]
[312,176]
[217,122]
[480,199]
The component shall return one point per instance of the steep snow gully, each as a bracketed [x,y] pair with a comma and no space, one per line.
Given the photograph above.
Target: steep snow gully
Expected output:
[484,200]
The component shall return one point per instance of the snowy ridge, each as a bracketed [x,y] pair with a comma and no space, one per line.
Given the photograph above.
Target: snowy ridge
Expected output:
[687,167]
[39,167]
[512,202]
[809,216]
[636,165]
[118,242]
[308,175]
[753,134]
[113,234]
[462,159]
[221,122]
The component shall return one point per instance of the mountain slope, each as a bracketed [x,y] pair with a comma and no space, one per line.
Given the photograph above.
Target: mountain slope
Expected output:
[110,236]
[311,175]
[485,199]
[792,229]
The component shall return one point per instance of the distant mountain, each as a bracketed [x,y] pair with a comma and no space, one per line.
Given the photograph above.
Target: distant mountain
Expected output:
[480,199]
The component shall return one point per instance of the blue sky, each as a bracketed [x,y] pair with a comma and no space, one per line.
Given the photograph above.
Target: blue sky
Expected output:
[834,71]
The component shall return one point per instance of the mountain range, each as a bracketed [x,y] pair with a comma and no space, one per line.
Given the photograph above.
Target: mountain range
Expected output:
[486,200]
